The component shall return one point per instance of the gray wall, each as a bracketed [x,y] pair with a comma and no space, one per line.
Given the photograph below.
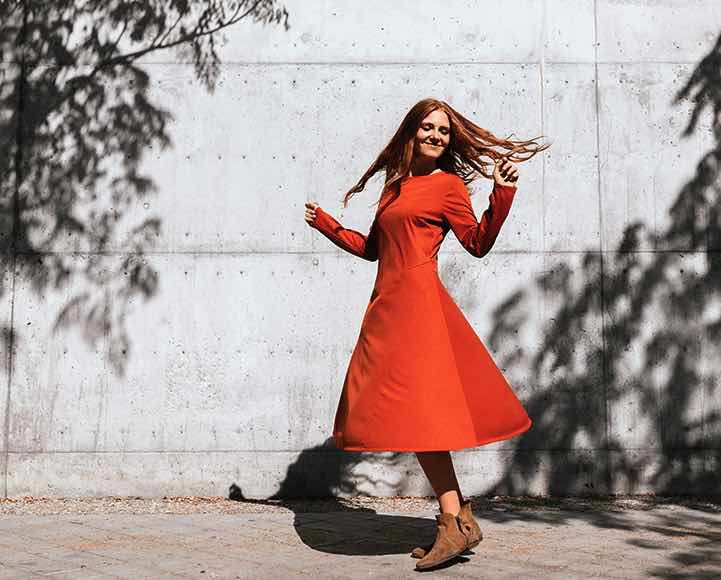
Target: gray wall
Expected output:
[599,300]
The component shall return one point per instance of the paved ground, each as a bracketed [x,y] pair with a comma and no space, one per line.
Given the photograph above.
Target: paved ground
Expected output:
[359,538]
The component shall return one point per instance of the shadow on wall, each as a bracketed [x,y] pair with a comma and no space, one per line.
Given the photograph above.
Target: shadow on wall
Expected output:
[75,122]
[657,355]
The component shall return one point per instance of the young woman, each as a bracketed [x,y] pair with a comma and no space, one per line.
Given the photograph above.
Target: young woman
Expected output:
[419,378]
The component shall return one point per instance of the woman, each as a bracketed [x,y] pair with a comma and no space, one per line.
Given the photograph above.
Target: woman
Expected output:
[419,378]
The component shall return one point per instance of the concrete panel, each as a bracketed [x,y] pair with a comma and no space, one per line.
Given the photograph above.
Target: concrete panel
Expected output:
[333,31]
[310,473]
[256,475]
[568,398]
[6,299]
[659,31]
[235,352]
[494,472]
[675,472]
[645,161]
[656,354]
[8,138]
[141,474]
[708,384]
[11,20]
[568,30]
[377,31]
[59,378]
[225,184]
[570,180]
[8,127]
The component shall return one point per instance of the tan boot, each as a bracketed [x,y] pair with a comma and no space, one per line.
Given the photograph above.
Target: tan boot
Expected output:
[468,525]
[450,541]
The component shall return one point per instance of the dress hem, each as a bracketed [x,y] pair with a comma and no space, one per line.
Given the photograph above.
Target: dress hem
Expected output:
[479,443]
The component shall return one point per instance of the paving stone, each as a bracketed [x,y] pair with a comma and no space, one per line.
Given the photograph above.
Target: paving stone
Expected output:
[520,541]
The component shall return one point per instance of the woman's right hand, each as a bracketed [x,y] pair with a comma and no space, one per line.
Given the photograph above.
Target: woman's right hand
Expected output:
[310,212]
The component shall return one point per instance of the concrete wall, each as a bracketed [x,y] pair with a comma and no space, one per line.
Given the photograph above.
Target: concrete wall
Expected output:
[599,300]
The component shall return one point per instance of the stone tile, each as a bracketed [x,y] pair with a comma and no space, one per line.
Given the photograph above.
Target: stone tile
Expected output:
[570,191]
[665,31]
[382,33]
[646,162]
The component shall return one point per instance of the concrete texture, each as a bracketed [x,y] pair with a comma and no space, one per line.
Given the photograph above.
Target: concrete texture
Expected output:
[521,539]
[213,355]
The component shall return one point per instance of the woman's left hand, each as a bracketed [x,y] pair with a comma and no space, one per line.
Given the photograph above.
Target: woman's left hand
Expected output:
[505,173]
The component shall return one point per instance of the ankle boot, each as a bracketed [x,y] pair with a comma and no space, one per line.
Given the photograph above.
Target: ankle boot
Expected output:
[468,525]
[450,541]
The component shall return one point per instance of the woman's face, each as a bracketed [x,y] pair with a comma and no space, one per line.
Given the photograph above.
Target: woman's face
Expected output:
[433,135]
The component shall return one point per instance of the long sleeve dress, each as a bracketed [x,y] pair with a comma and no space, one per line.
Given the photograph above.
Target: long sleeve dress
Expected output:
[419,378]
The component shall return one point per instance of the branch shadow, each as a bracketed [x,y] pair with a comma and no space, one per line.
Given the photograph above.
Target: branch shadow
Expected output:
[641,290]
[654,351]
[76,121]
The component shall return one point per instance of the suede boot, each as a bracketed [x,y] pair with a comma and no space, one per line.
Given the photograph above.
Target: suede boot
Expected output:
[450,541]
[468,525]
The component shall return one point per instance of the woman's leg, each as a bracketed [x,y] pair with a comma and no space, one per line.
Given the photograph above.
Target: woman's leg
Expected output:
[438,467]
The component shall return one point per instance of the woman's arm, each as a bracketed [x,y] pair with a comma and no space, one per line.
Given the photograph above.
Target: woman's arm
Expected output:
[477,237]
[356,243]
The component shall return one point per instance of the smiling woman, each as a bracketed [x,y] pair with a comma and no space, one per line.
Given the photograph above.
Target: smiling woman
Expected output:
[430,140]
[419,378]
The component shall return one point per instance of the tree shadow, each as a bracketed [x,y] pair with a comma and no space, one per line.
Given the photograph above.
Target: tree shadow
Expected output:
[648,523]
[632,291]
[75,123]
[656,356]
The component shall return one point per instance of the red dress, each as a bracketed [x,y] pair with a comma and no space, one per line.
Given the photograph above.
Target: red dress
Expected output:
[419,378]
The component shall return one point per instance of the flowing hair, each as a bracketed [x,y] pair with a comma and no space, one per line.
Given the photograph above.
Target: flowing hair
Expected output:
[463,156]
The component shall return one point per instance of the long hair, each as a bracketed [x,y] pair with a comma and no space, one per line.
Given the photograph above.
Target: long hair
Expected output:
[467,145]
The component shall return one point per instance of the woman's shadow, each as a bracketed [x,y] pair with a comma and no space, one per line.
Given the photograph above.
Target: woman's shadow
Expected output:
[329,523]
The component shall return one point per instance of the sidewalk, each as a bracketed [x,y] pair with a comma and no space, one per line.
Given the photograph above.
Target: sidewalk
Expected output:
[354,538]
